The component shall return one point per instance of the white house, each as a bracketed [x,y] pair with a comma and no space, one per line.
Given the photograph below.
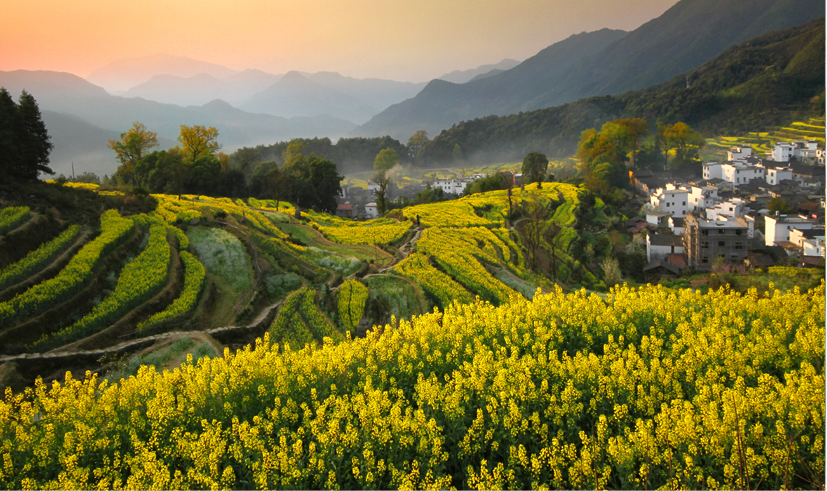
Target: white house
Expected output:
[739,173]
[814,247]
[732,208]
[371,210]
[671,199]
[660,246]
[739,152]
[702,197]
[778,174]
[676,225]
[713,170]
[372,187]
[777,227]
[802,150]
[451,186]
[783,151]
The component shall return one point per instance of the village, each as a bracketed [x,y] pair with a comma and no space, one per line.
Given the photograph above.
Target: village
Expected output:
[747,212]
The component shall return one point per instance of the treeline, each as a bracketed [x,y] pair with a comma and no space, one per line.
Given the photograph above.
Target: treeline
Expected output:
[754,86]
[350,154]
[198,166]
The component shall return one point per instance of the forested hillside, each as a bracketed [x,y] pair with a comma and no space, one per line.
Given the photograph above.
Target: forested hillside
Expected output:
[754,86]
[598,63]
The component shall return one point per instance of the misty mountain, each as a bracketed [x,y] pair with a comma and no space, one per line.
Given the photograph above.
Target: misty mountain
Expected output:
[296,95]
[441,104]
[605,62]
[462,76]
[92,116]
[375,92]
[758,85]
[199,89]
[121,75]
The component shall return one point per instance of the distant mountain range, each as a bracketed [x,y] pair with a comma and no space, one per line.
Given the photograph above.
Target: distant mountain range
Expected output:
[597,63]
[462,76]
[121,75]
[757,85]
[197,90]
[88,113]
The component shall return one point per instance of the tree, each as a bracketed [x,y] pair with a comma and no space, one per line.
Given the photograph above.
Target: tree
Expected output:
[386,160]
[780,205]
[9,154]
[131,148]
[198,141]
[636,128]
[686,142]
[417,142]
[535,165]
[24,141]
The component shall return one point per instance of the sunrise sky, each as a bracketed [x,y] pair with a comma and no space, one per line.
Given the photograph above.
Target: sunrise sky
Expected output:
[412,40]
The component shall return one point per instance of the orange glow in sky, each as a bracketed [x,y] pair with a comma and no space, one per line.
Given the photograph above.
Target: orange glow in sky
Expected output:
[413,40]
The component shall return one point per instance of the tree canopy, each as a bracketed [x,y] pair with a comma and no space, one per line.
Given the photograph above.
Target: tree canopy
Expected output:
[198,141]
[133,146]
[535,165]
[25,143]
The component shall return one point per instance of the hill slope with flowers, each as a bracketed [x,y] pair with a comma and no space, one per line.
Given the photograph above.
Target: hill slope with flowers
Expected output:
[478,372]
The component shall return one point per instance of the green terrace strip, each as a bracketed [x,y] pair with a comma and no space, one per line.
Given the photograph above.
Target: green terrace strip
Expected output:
[12,216]
[73,277]
[435,283]
[139,280]
[649,388]
[351,304]
[299,321]
[194,276]
[37,259]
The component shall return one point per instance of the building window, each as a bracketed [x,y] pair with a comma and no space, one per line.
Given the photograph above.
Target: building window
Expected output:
[721,243]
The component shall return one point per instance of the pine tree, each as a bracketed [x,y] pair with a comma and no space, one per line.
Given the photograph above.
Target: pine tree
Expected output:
[9,153]
[34,141]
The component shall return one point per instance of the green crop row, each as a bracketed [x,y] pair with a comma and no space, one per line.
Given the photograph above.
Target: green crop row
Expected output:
[12,216]
[351,304]
[37,259]
[139,280]
[194,278]
[73,277]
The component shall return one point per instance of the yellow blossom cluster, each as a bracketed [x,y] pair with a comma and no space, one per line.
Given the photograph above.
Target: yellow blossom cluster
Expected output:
[434,282]
[114,229]
[648,388]
[352,296]
[140,278]
[461,253]
[38,258]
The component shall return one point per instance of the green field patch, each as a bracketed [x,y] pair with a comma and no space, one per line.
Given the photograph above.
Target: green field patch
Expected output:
[165,358]
[223,255]
[397,297]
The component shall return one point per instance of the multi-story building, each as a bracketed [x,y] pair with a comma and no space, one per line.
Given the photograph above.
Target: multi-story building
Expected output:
[739,173]
[671,199]
[777,227]
[738,153]
[705,240]
[778,174]
[713,170]
[799,150]
[732,208]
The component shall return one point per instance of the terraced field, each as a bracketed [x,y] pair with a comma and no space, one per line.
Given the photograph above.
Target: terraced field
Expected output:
[200,263]
[762,143]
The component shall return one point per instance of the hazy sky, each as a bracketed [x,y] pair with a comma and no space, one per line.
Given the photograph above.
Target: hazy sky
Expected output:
[414,40]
